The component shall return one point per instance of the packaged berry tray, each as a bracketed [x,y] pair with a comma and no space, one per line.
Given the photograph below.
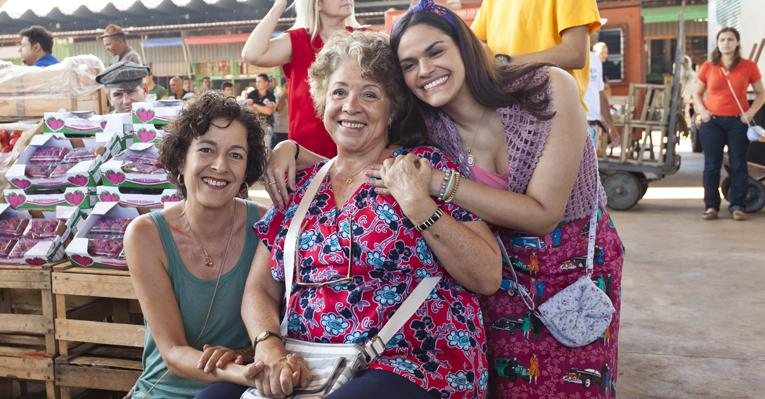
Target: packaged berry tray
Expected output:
[39,170]
[110,225]
[6,244]
[80,154]
[61,169]
[132,167]
[42,228]
[12,227]
[105,245]
[22,246]
[48,154]
[136,157]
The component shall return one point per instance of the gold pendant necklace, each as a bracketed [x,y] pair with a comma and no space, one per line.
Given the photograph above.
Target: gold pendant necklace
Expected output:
[348,179]
[208,261]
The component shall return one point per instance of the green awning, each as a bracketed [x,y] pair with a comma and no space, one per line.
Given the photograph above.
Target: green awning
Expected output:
[671,14]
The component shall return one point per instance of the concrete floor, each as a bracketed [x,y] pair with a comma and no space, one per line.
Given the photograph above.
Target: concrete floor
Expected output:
[693,303]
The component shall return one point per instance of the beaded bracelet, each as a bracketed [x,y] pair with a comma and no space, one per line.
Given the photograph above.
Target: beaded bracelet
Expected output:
[453,191]
[430,221]
[442,193]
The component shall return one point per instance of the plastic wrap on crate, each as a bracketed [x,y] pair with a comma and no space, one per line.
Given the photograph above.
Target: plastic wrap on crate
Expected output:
[28,91]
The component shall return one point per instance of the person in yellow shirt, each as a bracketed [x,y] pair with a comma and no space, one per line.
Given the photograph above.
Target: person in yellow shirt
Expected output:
[541,31]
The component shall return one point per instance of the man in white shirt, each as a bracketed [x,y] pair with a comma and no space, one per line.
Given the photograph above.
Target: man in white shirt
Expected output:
[599,115]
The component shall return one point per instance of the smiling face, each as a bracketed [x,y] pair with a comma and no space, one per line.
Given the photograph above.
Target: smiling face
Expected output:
[356,110]
[215,164]
[727,43]
[432,65]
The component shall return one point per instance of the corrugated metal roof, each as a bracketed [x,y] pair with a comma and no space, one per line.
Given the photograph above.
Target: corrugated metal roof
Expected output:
[86,15]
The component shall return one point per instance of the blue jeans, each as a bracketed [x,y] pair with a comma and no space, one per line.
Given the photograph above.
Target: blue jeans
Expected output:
[370,384]
[715,135]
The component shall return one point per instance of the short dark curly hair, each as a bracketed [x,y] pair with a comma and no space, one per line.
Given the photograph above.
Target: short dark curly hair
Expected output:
[40,35]
[195,120]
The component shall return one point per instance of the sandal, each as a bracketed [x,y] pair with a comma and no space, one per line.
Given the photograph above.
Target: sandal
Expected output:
[738,215]
[709,214]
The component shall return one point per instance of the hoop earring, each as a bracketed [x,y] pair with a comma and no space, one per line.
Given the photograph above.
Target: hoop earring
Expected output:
[179,179]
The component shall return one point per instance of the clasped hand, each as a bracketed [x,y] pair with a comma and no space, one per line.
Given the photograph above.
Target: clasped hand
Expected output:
[280,376]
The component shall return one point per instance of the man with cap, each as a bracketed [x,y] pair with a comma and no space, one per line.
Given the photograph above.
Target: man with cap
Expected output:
[115,41]
[125,83]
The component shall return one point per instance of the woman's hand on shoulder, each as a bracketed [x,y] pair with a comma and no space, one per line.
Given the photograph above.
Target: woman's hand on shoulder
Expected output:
[280,173]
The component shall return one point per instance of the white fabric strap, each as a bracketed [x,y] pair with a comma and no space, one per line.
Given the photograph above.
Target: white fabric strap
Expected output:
[407,309]
[593,223]
[291,241]
[732,92]
[416,298]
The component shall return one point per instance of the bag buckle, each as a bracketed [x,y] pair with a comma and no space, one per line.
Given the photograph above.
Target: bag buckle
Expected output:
[370,346]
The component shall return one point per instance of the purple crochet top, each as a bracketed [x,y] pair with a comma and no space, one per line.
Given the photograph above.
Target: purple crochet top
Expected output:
[525,136]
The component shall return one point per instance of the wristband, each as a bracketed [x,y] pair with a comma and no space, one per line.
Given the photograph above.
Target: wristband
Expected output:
[430,221]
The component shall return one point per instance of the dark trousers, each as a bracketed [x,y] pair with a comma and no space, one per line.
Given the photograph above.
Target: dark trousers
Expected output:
[371,384]
[715,135]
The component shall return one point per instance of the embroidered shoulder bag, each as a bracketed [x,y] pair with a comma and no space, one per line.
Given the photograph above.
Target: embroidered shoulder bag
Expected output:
[578,314]
[332,365]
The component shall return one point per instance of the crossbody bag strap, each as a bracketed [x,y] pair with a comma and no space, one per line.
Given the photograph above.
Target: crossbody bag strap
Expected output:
[733,93]
[291,240]
[377,344]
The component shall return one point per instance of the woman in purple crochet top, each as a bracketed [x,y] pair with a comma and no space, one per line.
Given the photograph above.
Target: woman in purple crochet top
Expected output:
[527,167]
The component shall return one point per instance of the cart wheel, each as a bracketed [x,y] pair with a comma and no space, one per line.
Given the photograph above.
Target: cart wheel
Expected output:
[623,190]
[754,200]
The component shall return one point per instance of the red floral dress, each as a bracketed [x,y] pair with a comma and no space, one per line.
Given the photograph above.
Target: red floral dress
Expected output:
[442,347]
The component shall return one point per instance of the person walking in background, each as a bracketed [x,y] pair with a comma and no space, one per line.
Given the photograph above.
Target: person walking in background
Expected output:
[719,100]
[263,103]
[281,117]
[227,88]
[115,42]
[295,51]
[177,91]
[36,46]
[549,32]
[152,88]
[205,85]
[598,109]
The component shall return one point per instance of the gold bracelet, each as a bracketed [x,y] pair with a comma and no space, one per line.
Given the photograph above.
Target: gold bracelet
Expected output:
[453,191]
[430,221]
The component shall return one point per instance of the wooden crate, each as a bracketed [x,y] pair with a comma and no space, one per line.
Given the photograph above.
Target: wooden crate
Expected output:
[27,341]
[99,346]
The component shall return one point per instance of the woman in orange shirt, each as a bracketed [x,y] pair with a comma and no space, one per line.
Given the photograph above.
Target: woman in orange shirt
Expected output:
[722,122]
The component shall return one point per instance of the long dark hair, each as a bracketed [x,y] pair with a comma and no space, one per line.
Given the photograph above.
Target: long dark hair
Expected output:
[491,84]
[717,55]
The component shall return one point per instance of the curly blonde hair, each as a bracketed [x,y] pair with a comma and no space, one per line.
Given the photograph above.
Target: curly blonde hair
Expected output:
[371,51]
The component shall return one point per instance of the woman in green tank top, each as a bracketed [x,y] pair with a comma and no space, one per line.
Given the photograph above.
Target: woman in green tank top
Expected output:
[183,257]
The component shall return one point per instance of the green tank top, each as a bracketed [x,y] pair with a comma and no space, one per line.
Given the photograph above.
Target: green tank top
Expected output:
[225,326]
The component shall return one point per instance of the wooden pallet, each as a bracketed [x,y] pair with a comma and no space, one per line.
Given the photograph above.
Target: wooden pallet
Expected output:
[99,346]
[27,341]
